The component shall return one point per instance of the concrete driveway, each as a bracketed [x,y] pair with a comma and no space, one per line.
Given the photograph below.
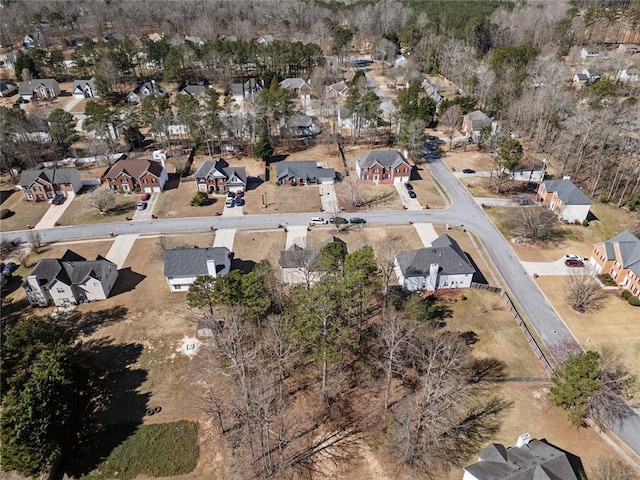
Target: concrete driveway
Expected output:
[407,201]
[225,238]
[147,213]
[426,232]
[553,268]
[296,235]
[328,198]
[120,249]
[54,213]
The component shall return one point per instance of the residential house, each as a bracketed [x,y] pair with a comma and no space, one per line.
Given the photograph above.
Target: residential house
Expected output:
[431,91]
[71,279]
[192,40]
[345,118]
[383,167]
[113,36]
[246,91]
[443,265]
[474,122]
[301,126]
[303,172]
[37,131]
[593,74]
[529,459]
[84,89]
[401,61]
[145,89]
[39,89]
[183,265]
[528,170]
[218,176]
[580,78]
[565,200]
[131,174]
[630,75]
[7,88]
[32,40]
[589,52]
[299,264]
[297,85]
[336,90]
[620,258]
[8,60]
[195,91]
[114,130]
[265,39]
[41,185]
[228,38]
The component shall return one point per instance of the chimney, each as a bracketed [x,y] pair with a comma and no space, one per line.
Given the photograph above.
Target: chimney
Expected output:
[211,267]
[432,281]
[523,440]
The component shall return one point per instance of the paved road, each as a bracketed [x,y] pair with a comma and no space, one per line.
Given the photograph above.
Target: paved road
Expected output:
[463,212]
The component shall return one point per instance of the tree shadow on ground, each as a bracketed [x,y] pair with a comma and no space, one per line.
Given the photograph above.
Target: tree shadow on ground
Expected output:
[88,322]
[379,198]
[127,280]
[122,208]
[276,159]
[245,266]
[119,407]
[5,194]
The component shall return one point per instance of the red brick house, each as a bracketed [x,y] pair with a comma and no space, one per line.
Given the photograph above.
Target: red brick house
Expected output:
[131,174]
[218,176]
[41,185]
[383,167]
[620,258]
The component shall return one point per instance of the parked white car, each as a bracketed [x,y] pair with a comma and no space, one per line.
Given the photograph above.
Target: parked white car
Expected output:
[318,221]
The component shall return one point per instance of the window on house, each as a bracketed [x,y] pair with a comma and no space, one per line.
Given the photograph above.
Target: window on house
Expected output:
[377,170]
[153,180]
[124,180]
[386,175]
[365,177]
[144,180]
[60,290]
[36,189]
[406,170]
[397,170]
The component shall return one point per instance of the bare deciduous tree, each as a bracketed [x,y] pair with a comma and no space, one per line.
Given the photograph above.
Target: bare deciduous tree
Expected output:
[35,240]
[102,198]
[610,468]
[532,223]
[452,118]
[354,187]
[583,292]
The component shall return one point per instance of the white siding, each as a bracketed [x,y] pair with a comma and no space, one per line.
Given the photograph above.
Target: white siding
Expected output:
[573,213]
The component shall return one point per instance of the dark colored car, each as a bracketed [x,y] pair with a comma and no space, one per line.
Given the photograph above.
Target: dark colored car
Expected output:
[231,194]
[239,201]
[357,220]
[58,200]
[338,220]
[412,194]
[468,170]
[240,194]
[9,268]
[573,262]
[22,100]
[408,186]
[145,197]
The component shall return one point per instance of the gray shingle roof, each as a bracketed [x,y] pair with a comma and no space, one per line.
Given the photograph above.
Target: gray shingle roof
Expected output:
[194,90]
[306,170]
[445,251]
[53,175]
[536,460]
[209,167]
[187,262]
[386,158]
[568,193]
[629,246]
[27,88]
[71,269]
[295,83]
[298,257]
[478,119]
[82,83]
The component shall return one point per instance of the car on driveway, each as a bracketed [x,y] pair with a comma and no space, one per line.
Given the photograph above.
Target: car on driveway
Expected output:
[230,203]
[574,262]
[412,194]
[338,220]
[145,197]
[9,268]
[408,186]
[141,205]
[571,256]
[58,200]
[468,170]
[239,201]
[318,221]
[357,220]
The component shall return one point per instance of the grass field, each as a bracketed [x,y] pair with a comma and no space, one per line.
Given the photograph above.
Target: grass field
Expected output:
[160,450]
[282,199]
[176,202]
[25,212]
[81,213]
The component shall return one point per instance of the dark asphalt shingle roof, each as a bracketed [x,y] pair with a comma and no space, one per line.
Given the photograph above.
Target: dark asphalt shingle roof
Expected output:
[629,246]
[298,257]
[220,166]
[71,269]
[568,193]
[386,158]
[187,262]
[134,167]
[307,170]
[478,119]
[536,460]
[194,90]
[53,175]
[444,251]
[27,88]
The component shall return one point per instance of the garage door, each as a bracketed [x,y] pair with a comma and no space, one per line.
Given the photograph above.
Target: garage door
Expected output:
[397,179]
[147,190]
[156,189]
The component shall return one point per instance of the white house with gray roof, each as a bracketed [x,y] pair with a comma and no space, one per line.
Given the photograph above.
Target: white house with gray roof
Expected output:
[71,279]
[302,172]
[564,199]
[84,89]
[383,167]
[183,265]
[39,89]
[299,265]
[443,265]
[529,459]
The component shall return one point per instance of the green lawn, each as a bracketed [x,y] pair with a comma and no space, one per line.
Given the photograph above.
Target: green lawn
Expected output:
[159,450]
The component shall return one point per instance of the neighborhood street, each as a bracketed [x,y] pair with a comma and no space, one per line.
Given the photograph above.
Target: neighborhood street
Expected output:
[464,212]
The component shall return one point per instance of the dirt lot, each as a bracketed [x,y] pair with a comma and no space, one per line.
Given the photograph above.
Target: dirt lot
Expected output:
[81,213]
[25,212]
[357,237]
[176,202]
[282,199]
[574,239]
[374,197]
[253,246]
[616,325]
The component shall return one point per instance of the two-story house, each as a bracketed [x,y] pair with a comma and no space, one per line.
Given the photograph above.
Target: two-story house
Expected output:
[218,176]
[474,122]
[40,185]
[84,89]
[443,265]
[620,258]
[39,89]
[131,174]
[183,265]
[383,167]
[71,279]
[564,199]
[145,89]
[297,85]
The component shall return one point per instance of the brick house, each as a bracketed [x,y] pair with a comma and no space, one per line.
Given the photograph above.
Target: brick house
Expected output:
[131,174]
[218,176]
[474,122]
[41,185]
[383,167]
[620,258]
[564,199]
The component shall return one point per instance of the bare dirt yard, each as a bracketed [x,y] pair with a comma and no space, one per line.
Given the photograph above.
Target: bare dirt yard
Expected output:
[282,199]
[357,236]
[253,246]
[176,202]
[615,325]
[25,212]
[372,197]
[82,213]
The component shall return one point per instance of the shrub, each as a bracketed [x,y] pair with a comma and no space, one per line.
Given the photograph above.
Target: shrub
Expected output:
[635,301]
[5,212]
[585,223]
[626,294]
[634,203]
[200,199]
